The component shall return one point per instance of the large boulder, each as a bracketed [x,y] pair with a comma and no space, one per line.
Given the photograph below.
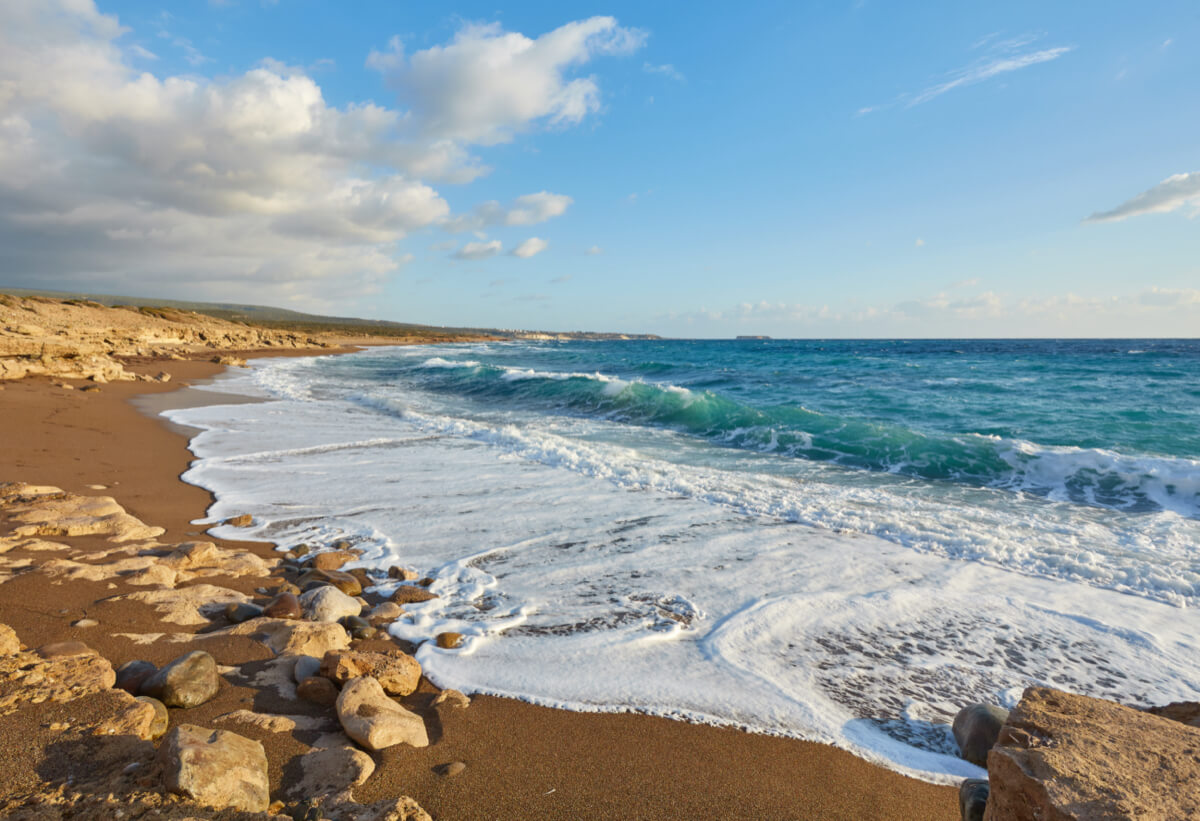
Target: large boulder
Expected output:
[328,604]
[216,768]
[1065,757]
[396,671]
[188,681]
[375,721]
[976,728]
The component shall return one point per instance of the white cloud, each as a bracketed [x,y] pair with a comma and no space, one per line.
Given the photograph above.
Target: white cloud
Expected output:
[1171,194]
[527,209]
[478,250]
[666,70]
[246,187]
[489,84]
[594,251]
[530,247]
[920,243]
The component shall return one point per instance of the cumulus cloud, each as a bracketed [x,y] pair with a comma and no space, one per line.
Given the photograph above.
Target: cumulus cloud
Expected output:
[478,250]
[528,209]
[530,247]
[1175,192]
[489,84]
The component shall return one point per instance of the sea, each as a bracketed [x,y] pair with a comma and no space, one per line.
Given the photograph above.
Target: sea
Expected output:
[842,541]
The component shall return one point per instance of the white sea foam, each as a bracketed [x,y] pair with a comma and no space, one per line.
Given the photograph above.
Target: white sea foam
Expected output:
[598,568]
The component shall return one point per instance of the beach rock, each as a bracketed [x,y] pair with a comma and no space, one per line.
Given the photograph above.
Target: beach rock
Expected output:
[403,808]
[190,555]
[406,594]
[244,520]
[328,604]
[395,671]
[331,772]
[358,628]
[85,623]
[387,611]
[976,728]
[158,575]
[27,678]
[306,667]
[332,560]
[9,643]
[1185,712]
[404,574]
[362,575]
[215,768]
[162,719]
[1065,757]
[972,799]
[375,721]
[342,581]
[318,690]
[238,612]
[133,717]
[451,769]
[38,513]
[451,698]
[188,681]
[293,638]
[284,606]
[132,674]
[449,641]
[194,604]
[63,649]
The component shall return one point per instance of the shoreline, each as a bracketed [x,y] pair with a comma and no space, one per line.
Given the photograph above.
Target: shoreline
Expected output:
[522,760]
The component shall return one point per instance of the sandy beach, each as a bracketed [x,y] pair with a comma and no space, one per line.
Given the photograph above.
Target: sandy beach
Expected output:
[522,761]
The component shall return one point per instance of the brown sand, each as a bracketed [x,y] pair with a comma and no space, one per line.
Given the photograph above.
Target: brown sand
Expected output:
[522,761]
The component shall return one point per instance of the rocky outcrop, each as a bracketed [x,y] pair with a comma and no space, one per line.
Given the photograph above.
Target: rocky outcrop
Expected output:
[293,638]
[397,672]
[144,718]
[375,721]
[49,511]
[1064,757]
[216,768]
[976,728]
[188,681]
[27,678]
[1185,712]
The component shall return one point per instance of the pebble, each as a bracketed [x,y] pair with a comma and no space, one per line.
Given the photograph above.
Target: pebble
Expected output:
[449,640]
[388,611]
[63,649]
[85,622]
[406,594]
[238,612]
[284,606]
[358,627]
[453,768]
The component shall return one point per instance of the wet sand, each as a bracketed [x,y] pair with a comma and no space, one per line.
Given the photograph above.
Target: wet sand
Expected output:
[522,761]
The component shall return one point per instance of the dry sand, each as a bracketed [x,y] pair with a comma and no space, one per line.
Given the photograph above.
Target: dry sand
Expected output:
[522,761]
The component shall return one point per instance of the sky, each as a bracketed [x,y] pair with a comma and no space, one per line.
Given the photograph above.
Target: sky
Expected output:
[845,168]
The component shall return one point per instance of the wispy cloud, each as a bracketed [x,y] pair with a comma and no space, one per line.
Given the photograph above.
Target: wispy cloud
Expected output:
[666,70]
[1173,193]
[530,247]
[478,250]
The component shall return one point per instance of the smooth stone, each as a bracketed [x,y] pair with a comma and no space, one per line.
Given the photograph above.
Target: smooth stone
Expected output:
[451,769]
[375,721]
[327,604]
[358,627]
[284,606]
[406,594]
[62,649]
[318,690]
[404,574]
[162,719]
[387,611]
[449,640]
[976,728]
[216,768]
[238,612]
[84,622]
[306,667]
[332,560]
[188,681]
[972,799]
[342,581]
[132,674]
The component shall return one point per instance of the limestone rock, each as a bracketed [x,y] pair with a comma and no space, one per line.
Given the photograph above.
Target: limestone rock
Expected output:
[136,717]
[331,771]
[157,575]
[976,728]
[195,604]
[328,604]
[188,681]
[284,606]
[244,520]
[132,674]
[395,809]
[28,678]
[306,667]
[395,671]
[68,514]
[387,611]
[9,643]
[293,638]
[1065,757]
[162,719]
[451,698]
[318,690]
[406,594]
[216,768]
[375,721]
[332,559]
[62,649]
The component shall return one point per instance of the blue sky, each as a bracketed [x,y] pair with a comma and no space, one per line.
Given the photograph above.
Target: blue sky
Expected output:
[793,169]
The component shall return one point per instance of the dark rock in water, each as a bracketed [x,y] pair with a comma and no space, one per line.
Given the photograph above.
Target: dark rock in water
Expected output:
[244,520]
[1185,712]
[132,674]
[406,594]
[342,581]
[158,727]
[238,612]
[188,681]
[62,649]
[976,728]
[332,560]
[364,578]
[425,582]
[404,574]
[301,550]
[1068,757]
[449,641]
[358,627]
[341,544]
[318,690]
[972,799]
[284,606]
